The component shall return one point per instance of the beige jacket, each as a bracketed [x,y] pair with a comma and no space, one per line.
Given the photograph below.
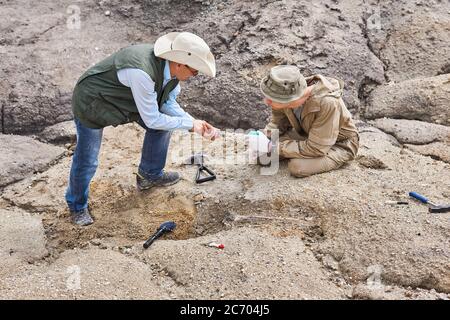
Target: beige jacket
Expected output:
[325,121]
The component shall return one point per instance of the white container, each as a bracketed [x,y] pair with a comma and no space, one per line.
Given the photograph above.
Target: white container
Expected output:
[258,142]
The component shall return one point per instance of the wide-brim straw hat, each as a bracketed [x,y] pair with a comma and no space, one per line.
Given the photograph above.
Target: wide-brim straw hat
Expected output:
[186,48]
[283,84]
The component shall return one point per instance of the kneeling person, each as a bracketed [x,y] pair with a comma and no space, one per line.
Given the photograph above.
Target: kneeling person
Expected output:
[317,133]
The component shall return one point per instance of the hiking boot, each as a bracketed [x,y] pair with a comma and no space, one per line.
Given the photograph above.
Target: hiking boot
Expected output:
[82,217]
[167,179]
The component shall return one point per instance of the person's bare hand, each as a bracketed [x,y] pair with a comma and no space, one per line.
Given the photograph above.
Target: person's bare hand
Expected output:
[211,132]
[267,132]
[199,127]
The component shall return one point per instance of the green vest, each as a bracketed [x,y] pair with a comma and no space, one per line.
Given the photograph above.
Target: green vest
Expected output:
[100,99]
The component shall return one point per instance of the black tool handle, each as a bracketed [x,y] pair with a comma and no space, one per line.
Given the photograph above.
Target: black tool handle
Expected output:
[439,209]
[155,236]
[201,180]
[211,176]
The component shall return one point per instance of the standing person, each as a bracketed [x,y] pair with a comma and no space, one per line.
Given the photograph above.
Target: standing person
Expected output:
[139,83]
[317,133]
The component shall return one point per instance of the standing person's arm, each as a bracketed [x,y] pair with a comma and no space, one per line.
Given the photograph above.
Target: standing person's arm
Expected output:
[145,97]
[172,108]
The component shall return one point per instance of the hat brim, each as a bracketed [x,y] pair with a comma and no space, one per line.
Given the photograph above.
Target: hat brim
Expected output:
[277,98]
[163,49]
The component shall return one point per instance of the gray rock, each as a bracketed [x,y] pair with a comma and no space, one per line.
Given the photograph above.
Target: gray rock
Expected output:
[423,99]
[247,42]
[413,39]
[22,156]
[25,111]
[436,150]
[412,131]
[60,133]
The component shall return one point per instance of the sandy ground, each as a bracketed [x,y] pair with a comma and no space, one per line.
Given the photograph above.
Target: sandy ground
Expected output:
[330,236]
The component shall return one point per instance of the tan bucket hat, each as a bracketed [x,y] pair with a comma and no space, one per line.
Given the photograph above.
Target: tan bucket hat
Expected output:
[186,48]
[283,84]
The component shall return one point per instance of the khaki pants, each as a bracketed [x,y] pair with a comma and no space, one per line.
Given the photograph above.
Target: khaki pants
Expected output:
[339,154]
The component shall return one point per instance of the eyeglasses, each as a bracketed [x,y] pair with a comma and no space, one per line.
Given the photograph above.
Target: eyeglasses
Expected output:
[192,70]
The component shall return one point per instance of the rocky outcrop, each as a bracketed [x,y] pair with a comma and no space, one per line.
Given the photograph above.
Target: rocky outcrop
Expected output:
[43,58]
[424,99]
[412,131]
[435,150]
[22,156]
[412,38]
[363,43]
[60,133]
[322,37]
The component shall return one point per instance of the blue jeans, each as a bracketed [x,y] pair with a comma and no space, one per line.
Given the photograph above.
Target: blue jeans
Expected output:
[85,161]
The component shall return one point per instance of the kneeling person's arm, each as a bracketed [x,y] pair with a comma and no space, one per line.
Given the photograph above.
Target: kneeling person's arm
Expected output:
[321,137]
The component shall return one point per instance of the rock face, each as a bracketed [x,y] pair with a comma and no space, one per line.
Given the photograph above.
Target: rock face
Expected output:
[22,156]
[364,43]
[42,59]
[435,150]
[423,99]
[412,131]
[60,133]
[412,39]
[322,37]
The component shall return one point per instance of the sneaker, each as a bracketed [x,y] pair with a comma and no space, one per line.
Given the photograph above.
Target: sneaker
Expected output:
[82,217]
[167,179]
